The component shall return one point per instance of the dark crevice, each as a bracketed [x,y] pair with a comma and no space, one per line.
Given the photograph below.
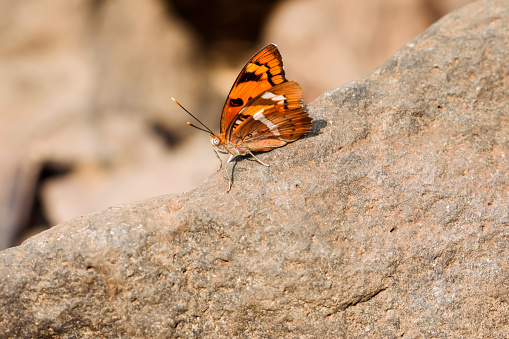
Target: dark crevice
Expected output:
[365,298]
[37,219]
[223,20]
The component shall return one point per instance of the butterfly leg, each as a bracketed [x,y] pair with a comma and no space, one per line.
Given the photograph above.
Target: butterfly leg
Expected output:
[220,161]
[230,178]
[232,156]
[261,162]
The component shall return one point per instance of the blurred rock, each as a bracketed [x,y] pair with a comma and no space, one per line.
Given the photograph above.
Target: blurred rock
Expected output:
[389,220]
[18,180]
[84,84]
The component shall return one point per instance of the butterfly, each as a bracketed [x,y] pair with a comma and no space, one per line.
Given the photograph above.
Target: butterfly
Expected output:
[263,110]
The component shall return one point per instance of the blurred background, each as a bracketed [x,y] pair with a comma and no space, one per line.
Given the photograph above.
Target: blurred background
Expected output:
[86,120]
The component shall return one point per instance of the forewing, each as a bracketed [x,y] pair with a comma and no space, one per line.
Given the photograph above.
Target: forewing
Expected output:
[263,71]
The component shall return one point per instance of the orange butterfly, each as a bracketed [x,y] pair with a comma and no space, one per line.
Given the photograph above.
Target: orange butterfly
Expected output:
[263,110]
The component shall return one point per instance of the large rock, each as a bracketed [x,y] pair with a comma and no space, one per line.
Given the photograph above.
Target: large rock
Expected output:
[389,220]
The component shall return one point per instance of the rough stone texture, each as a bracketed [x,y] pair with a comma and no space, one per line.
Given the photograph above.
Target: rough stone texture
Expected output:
[389,220]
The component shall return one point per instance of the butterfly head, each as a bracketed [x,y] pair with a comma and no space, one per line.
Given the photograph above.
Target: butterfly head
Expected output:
[216,142]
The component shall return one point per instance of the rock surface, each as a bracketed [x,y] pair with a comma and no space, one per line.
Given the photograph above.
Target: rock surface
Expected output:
[389,220]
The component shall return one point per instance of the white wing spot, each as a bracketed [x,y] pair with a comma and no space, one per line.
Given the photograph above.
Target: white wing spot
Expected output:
[260,117]
[238,122]
[268,95]
[281,98]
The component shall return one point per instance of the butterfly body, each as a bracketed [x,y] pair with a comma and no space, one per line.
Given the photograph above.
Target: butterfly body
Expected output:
[263,110]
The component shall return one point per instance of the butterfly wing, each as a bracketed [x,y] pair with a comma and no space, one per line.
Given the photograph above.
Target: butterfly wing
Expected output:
[272,119]
[263,71]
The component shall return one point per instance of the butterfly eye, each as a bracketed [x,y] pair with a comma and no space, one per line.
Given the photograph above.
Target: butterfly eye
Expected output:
[216,141]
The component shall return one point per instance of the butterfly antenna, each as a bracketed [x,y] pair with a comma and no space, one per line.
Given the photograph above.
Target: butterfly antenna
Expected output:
[201,123]
[201,129]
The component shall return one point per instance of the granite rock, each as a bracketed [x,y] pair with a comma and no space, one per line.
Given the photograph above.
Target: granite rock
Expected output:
[389,220]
